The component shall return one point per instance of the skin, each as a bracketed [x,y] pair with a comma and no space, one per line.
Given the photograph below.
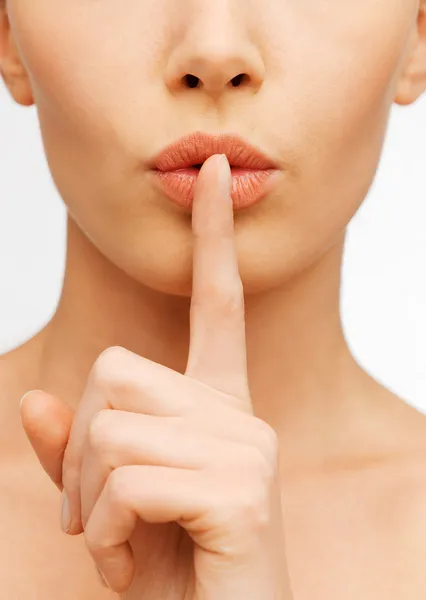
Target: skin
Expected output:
[352,454]
[148,443]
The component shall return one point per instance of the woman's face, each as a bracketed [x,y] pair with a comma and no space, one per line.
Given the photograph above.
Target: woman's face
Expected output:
[108,80]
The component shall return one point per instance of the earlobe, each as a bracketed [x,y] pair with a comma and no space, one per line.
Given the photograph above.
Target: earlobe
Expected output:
[412,82]
[20,91]
[17,82]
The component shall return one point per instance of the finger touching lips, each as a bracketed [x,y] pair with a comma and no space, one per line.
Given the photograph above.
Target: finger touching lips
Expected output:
[217,354]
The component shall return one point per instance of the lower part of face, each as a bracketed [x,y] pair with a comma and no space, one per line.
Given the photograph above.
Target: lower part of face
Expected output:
[109,84]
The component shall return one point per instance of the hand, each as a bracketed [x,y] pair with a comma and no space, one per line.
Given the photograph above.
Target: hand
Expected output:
[172,478]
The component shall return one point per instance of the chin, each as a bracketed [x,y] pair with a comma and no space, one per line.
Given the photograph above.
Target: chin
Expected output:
[155,248]
[169,270]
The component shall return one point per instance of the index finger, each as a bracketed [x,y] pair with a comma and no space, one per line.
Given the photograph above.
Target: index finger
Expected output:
[217,353]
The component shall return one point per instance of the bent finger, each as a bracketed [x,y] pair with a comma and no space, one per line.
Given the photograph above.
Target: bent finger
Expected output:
[153,494]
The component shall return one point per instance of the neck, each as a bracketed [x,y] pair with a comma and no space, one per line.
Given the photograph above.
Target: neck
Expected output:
[302,375]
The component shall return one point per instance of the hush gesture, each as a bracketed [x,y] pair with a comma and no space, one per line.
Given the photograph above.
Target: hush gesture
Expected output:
[172,479]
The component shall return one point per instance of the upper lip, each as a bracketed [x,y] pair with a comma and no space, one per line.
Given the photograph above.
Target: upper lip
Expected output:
[196,148]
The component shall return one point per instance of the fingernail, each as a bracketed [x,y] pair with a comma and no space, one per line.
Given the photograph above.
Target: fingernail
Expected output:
[102,578]
[25,395]
[66,513]
[225,177]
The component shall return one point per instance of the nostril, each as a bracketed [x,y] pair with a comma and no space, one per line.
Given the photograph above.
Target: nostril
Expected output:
[236,81]
[191,80]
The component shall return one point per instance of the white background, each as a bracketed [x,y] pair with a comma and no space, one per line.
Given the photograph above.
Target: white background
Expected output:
[384,275]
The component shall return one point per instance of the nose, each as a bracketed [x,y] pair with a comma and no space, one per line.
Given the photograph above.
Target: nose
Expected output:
[214,53]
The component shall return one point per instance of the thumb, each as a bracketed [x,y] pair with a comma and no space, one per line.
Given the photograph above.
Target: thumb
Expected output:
[47,423]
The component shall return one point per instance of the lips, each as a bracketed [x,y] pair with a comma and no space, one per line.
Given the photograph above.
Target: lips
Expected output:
[176,168]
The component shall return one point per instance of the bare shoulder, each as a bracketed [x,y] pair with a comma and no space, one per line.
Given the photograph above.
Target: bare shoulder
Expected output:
[402,498]
[390,492]
[404,512]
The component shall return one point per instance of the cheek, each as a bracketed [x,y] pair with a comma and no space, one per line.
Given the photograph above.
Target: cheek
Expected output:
[86,117]
[89,80]
[341,78]
[340,84]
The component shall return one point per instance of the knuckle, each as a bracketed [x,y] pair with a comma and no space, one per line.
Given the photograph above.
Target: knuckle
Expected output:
[106,364]
[98,544]
[242,513]
[222,300]
[251,508]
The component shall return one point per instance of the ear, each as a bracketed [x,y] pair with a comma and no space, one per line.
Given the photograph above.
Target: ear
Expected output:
[412,82]
[12,69]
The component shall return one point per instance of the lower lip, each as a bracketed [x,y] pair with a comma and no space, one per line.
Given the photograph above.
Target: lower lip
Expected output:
[248,185]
